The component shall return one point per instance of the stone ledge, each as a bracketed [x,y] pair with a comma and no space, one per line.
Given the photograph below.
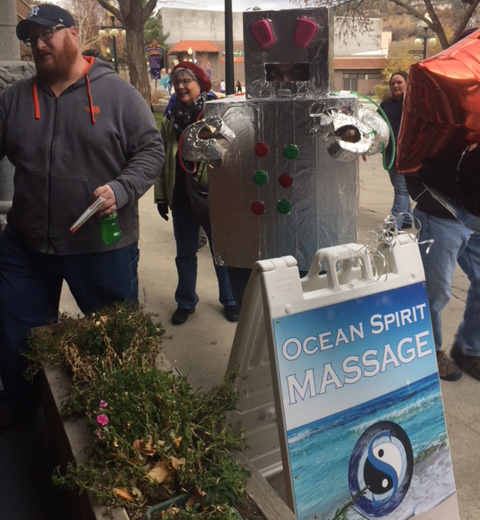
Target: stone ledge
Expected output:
[160,106]
[71,439]
[12,71]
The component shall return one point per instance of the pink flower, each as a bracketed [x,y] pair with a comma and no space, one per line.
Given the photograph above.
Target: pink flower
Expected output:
[102,404]
[99,435]
[102,419]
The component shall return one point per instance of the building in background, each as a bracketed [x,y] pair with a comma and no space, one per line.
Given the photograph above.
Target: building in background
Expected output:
[360,55]
[199,35]
[203,32]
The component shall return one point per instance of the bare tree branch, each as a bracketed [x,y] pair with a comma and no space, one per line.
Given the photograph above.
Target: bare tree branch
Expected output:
[467,15]
[111,8]
[433,22]
[148,9]
[427,13]
[87,15]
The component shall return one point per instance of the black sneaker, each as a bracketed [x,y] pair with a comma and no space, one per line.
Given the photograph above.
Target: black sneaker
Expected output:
[180,316]
[231,313]
[446,369]
[470,364]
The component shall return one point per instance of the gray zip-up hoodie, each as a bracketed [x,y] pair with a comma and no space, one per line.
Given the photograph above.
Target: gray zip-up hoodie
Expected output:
[98,131]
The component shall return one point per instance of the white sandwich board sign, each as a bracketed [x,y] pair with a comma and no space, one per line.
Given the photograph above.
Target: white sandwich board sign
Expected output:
[342,386]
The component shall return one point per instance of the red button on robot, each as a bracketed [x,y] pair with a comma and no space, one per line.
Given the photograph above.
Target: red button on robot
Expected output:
[285,180]
[258,207]
[262,149]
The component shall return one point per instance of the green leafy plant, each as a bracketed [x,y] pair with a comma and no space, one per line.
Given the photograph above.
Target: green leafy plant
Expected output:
[153,430]
[154,436]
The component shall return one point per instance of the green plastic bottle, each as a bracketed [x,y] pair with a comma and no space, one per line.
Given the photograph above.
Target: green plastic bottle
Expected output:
[111,233]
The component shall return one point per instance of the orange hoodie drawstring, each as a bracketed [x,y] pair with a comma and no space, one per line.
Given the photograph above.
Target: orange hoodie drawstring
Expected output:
[90,104]
[89,63]
[35,100]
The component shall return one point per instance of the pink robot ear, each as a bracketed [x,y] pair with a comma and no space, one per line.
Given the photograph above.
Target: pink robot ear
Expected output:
[262,32]
[304,32]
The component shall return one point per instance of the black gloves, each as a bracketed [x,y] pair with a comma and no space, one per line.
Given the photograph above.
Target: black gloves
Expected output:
[163,209]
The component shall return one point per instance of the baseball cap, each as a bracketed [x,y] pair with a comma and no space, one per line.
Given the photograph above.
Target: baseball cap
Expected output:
[47,15]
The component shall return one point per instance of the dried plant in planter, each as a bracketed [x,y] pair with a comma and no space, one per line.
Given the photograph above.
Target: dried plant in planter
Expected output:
[121,334]
[154,435]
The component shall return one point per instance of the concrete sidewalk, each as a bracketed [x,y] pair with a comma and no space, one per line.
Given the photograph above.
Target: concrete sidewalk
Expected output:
[201,347]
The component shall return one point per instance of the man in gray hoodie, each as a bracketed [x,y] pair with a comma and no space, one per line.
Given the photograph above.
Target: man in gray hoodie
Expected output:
[74,132]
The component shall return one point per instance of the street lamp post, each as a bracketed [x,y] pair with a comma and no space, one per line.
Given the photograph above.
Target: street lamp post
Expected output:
[191,55]
[113,32]
[424,37]
[229,67]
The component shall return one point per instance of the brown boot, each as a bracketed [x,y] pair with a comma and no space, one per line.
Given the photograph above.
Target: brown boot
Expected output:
[446,369]
[470,364]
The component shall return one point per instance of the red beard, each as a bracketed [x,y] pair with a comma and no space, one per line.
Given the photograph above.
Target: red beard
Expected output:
[55,64]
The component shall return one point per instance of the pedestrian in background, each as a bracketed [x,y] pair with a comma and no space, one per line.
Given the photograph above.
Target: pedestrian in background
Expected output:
[452,242]
[169,82]
[392,107]
[164,79]
[74,132]
[176,187]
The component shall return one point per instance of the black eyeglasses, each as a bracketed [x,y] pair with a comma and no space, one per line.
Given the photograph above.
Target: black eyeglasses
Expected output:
[45,35]
[183,82]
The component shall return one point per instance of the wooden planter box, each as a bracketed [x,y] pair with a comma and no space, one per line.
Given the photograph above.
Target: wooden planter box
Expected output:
[71,440]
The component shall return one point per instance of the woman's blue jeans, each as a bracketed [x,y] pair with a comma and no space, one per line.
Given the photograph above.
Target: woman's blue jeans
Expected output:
[186,237]
[453,242]
[401,199]
[30,288]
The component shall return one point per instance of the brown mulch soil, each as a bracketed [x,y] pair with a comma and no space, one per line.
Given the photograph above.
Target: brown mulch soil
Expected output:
[248,511]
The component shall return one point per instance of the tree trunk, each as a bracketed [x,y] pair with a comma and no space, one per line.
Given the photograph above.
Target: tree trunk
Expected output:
[137,64]
[133,15]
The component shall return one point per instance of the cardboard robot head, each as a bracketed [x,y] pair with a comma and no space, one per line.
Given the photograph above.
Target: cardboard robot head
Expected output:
[288,53]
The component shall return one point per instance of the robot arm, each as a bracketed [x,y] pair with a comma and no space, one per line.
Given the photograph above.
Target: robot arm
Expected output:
[206,140]
[351,134]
